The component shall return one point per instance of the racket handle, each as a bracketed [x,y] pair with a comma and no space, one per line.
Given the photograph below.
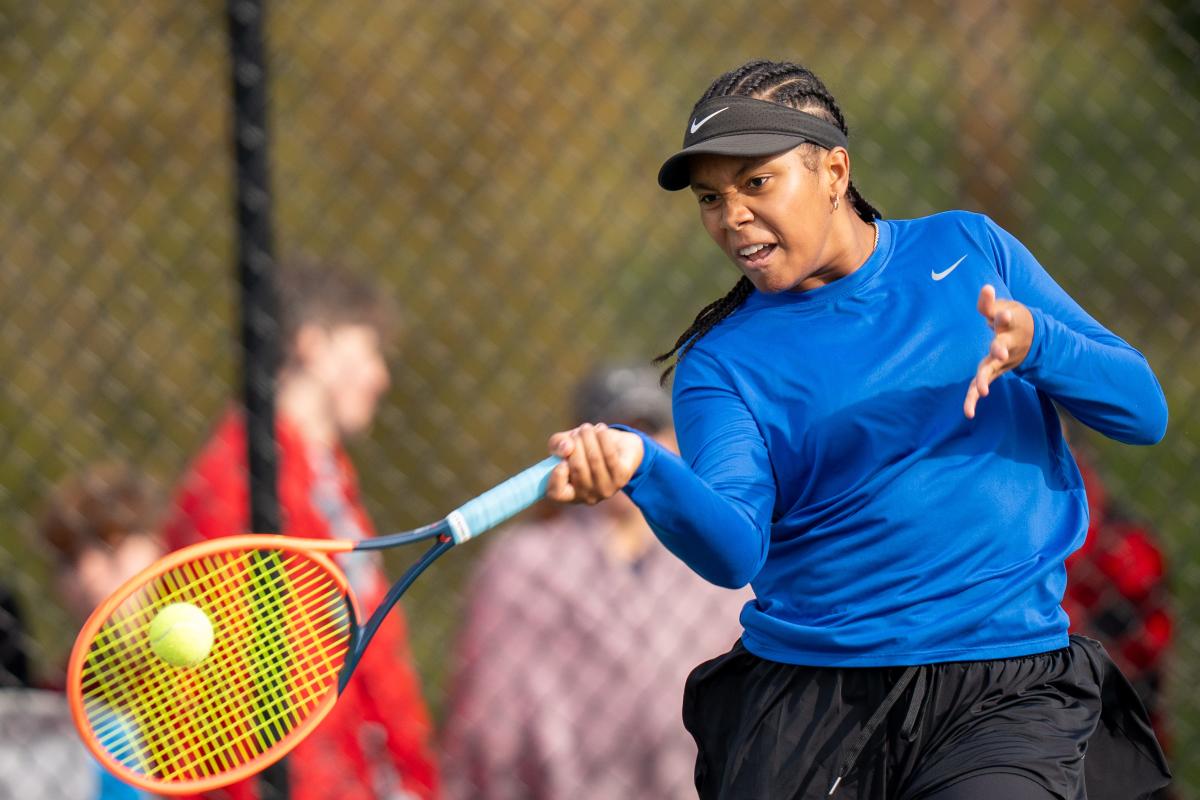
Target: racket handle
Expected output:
[501,502]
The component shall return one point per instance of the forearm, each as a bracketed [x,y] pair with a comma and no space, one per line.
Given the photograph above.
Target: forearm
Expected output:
[1107,385]
[711,533]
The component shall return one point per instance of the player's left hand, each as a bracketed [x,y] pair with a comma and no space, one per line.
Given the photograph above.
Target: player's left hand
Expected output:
[1013,325]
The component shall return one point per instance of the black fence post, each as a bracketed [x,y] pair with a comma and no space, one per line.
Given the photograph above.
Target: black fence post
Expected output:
[255,261]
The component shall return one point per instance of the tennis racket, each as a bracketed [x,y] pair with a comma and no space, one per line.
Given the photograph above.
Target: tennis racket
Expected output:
[286,639]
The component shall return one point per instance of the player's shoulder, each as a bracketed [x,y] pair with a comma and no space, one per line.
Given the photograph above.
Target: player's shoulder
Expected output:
[708,355]
[703,363]
[953,221]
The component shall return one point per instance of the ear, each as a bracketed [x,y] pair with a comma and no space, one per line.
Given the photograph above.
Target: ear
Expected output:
[837,171]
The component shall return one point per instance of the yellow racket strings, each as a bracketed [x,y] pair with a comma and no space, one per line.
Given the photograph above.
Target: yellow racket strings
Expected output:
[130,676]
[281,630]
[187,686]
[203,738]
[274,721]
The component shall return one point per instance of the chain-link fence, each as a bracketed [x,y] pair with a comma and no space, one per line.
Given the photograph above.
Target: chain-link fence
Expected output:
[491,165]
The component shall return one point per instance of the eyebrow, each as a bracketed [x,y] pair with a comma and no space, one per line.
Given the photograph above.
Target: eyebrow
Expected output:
[737,176]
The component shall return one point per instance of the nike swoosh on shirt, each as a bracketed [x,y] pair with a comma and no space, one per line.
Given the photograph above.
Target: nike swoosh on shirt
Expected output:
[937,276]
[696,125]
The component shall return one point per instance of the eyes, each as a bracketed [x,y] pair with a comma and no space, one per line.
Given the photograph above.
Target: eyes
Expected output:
[752,185]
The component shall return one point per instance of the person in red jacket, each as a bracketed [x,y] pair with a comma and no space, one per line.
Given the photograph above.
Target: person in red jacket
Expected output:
[1117,593]
[375,744]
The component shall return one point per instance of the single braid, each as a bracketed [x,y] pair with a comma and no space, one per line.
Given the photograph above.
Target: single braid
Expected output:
[768,76]
[865,211]
[789,85]
[708,317]
[728,83]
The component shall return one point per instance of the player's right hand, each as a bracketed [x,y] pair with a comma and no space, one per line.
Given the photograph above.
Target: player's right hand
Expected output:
[597,463]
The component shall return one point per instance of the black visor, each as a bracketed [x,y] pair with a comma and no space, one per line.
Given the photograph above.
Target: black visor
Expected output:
[743,126]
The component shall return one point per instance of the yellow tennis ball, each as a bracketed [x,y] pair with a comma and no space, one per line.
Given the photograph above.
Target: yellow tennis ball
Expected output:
[181,635]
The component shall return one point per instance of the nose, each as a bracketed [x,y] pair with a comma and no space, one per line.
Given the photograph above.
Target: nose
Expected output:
[737,213]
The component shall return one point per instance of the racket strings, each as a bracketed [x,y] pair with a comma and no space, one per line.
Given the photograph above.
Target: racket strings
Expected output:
[236,683]
[115,671]
[118,638]
[200,580]
[236,689]
[265,723]
[269,729]
[281,631]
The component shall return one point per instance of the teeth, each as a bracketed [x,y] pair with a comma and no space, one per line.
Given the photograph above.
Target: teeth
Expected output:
[751,250]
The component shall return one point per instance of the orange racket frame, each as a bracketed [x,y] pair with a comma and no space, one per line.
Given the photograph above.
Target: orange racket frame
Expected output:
[258,673]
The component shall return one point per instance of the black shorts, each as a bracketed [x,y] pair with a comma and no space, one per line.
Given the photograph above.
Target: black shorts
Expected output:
[1061,720]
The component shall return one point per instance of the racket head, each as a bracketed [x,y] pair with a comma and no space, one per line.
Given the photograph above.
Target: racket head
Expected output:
[283,618]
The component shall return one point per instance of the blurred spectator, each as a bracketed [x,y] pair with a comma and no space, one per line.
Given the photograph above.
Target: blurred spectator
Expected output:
[580,631]
[1117,594]
[102,526]
[334,325]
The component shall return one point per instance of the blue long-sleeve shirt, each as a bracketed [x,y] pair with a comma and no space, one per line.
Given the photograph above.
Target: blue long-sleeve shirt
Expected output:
[827,460]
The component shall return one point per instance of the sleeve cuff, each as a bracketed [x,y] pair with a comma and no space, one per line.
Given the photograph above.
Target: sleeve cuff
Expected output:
[1028,367]
[650,452]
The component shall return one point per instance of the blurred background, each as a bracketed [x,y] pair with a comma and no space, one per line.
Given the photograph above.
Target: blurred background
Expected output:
[492,166]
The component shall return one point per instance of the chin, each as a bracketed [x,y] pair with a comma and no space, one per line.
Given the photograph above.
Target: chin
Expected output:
[352,428]
[767,284]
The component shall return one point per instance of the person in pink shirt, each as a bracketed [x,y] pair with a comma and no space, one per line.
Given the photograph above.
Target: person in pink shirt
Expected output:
[567,682]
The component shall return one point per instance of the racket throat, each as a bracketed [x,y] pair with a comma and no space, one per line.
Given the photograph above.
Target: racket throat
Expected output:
[360,638]
[353,651]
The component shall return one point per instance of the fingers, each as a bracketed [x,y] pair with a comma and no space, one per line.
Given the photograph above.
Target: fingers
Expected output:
[561,444]
[616,457]
[993,365]
[1013,326]
[595,464]
[624,452]
[999,313]
[985,373]
[602,485]
[987,302]
[968,404]
[559,487]
[581,468]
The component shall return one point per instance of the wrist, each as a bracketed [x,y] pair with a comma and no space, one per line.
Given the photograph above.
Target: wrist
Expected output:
[641,454]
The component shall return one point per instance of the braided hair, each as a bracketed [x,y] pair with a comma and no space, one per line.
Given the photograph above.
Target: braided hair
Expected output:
[789,85]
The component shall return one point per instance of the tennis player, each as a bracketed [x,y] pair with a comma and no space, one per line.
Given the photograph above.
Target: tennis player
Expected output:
[869,439]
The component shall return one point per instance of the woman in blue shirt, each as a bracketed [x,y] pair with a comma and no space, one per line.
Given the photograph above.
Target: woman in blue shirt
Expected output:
[869,440]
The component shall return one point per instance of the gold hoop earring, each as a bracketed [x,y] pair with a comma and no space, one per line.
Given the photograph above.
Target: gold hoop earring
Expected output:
[836,202]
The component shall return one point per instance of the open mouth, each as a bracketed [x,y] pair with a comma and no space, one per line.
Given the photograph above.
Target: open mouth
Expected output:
[755,255]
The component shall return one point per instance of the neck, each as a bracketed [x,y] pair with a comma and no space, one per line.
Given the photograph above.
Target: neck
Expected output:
[301,401]
[851,242]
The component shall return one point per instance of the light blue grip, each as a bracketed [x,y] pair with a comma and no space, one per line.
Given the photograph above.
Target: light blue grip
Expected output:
[501,502]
